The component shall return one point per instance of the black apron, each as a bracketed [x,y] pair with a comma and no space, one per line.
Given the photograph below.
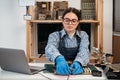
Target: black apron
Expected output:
[68,53]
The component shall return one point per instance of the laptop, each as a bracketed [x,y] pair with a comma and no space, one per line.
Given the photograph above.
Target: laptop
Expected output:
[15,60]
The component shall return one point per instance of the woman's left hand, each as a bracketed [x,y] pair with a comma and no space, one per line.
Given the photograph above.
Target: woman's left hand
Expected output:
[76,68]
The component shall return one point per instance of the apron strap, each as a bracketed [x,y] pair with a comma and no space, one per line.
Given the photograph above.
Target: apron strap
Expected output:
[62,40]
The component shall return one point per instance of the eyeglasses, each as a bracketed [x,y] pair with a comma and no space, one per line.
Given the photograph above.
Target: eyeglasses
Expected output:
[67,21]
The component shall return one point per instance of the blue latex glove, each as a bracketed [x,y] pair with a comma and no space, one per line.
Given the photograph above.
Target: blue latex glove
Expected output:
[62,67]
[76,68]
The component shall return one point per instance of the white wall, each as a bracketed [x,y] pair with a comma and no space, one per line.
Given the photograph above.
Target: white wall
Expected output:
[13,27]
[108,20]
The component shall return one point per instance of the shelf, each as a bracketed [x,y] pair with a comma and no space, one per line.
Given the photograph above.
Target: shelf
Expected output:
[32,25]
[60,21]
[46,21]
[116,33]
[89,21]
[41,59]
[92,59]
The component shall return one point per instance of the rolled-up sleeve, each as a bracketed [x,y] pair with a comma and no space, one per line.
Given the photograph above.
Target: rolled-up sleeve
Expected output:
[83,55]
[51,50]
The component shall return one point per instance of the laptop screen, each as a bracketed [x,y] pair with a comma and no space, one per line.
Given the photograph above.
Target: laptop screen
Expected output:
[14,60]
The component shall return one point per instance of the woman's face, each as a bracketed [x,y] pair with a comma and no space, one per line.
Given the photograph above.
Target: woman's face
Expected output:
[70,22]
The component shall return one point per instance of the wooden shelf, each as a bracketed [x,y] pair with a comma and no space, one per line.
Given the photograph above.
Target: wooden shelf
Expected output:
[41,59]
[92,59]
[60,21]
[89,21]
[46,21]
[31,24]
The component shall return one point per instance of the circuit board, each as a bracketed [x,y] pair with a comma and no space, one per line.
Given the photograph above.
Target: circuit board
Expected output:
[50,68]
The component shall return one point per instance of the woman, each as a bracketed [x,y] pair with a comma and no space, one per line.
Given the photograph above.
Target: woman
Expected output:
[69,44]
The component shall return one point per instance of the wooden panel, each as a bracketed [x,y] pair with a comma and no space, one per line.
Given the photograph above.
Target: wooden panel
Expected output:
[101,25]
[116,49]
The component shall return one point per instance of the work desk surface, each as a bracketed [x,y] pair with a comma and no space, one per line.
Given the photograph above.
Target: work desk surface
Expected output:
[6,75]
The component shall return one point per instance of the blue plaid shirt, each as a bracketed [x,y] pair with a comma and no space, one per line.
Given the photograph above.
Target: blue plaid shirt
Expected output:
[52,51]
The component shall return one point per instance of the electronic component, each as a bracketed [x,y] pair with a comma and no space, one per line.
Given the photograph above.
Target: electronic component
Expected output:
[96,73]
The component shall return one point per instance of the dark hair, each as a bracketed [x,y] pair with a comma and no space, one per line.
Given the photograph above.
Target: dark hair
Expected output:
[73,10]
[76,12]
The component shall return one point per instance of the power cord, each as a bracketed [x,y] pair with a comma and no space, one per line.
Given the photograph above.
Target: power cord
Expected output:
[68,77]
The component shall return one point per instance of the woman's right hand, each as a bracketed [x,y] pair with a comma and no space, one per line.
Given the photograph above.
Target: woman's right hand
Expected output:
[62,67]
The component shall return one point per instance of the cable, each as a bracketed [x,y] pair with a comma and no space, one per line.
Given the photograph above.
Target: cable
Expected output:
[68,77]
[45,76]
